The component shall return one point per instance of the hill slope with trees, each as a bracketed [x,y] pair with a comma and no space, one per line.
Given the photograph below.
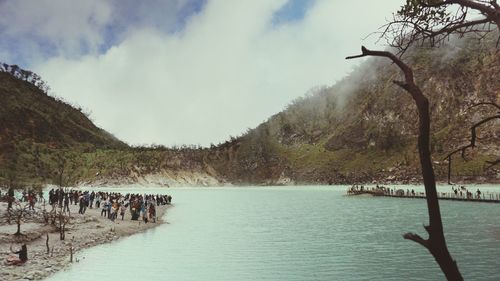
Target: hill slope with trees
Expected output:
[363,128]
[29,114]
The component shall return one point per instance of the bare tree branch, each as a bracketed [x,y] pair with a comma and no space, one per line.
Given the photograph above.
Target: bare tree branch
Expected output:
[408,73]
[492,163]
[485,103]
[495,4]
[473,138]
[421,22]
[20,213]
[476,5]
[415,237]
[436,244]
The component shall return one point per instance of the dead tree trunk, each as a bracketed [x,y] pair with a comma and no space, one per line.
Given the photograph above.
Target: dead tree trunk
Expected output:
[18,211]
[63,220]
[18,232]
[436,243]
[47,244]
[449,169]
[62,234]
[9,202]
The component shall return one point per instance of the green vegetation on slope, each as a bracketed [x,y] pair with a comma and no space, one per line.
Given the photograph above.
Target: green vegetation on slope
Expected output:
[361,129]
[364,127]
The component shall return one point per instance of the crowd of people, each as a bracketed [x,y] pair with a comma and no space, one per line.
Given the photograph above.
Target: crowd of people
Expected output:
[460,192]
[26,196]
[112,204]
[463,192]
[380,190]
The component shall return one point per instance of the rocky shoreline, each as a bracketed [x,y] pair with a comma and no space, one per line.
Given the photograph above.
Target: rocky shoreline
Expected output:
[189,179]
[164,179]
[83,231]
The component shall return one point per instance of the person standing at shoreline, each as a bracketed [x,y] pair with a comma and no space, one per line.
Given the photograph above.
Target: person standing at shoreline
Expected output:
[66,202]
[81,203]
[91,198]
[97,200]
[152,212]
[108,208]
[104,208]
[122,210]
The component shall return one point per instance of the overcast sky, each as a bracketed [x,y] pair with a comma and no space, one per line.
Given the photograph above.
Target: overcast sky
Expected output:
[186,71]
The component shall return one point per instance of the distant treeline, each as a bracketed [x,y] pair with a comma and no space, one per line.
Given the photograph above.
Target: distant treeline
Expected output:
[25,75]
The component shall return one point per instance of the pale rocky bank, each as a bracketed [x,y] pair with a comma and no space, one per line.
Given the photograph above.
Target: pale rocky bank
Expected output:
[82,232]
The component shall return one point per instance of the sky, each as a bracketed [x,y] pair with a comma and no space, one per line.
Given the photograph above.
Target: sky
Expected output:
[176,72]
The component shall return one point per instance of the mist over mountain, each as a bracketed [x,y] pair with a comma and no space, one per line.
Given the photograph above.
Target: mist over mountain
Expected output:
[362,129]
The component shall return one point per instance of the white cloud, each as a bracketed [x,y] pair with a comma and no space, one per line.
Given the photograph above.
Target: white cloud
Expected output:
[66,25]
[228,70]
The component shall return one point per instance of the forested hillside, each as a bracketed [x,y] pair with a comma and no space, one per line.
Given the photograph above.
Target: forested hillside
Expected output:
[35,124]
[364,128]
[29,114]
[361,129]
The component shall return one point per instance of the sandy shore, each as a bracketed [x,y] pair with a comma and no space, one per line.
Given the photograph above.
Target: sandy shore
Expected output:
[82,232]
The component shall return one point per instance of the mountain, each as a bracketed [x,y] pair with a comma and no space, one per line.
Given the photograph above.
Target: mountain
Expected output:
[361,129]
[27,113]
[46,140]
[34,124]
[364,128]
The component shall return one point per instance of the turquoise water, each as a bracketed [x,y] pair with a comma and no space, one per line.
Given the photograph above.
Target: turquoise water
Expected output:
[294,233]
